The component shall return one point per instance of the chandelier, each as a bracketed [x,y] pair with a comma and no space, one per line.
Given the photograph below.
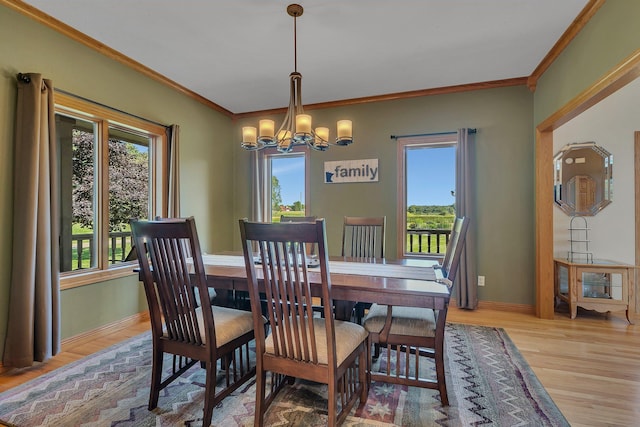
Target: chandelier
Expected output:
[296,127]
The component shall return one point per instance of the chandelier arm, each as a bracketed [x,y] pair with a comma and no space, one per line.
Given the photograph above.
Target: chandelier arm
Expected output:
[296,86]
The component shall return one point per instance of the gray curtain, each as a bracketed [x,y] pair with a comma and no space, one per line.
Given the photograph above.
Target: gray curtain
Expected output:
[465,286]
[33,327]
[174,172]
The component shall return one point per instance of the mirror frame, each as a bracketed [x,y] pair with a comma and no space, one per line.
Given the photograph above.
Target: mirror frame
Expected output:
[573,157]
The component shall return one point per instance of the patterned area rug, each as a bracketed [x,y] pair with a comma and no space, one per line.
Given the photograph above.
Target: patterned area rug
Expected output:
[489,383]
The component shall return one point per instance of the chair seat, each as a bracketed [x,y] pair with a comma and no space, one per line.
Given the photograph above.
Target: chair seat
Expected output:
[348,337]
[229,323]
[414,321]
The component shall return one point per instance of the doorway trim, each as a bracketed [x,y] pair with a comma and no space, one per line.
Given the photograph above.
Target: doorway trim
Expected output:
[625,72]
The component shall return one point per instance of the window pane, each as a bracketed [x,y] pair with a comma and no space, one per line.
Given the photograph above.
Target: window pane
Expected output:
[430,195]
[129,188]
[77,151]
[287,185]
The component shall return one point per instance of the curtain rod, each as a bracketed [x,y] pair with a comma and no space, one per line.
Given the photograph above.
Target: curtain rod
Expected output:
[26,79]
[110,108]
[430,134]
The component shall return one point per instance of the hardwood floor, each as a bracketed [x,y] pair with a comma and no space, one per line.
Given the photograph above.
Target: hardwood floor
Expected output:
[590,365]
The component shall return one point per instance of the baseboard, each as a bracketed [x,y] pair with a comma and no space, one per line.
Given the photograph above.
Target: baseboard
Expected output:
[102,330]
[500,306]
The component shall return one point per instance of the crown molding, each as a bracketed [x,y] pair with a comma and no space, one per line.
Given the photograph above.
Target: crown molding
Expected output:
[576,26]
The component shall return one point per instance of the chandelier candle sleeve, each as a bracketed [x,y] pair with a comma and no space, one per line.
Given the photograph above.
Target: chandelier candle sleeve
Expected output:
[249,140]
[284,141]
[303,126]
[266,131]
[322,134]
[321,140]
[345,135]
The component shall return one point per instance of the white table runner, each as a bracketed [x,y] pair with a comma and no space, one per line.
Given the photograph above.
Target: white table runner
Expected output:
[342,267]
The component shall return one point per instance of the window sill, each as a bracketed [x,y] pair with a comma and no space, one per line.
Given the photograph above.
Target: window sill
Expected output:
[74,280]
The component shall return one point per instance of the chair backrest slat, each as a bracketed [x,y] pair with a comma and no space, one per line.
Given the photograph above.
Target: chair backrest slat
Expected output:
[286,284]
[363,237]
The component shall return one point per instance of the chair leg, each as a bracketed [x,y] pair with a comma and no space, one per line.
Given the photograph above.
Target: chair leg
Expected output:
[442,382]
[209,393]
[261,378]
[363,373]
[332,410]
[156,378]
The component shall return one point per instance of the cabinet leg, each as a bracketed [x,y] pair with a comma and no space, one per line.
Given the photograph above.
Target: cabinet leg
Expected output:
[629,318]
[574,311]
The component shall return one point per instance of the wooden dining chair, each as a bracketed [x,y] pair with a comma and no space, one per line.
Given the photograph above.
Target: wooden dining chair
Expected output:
[363,237]
[415,331]
[300,345]
[182,327]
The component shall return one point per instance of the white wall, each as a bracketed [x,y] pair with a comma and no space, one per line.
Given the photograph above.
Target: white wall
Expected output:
[611,124]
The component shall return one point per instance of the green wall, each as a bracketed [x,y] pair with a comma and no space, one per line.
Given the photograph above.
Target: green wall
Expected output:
[609,37]
[26,46]
[504,176]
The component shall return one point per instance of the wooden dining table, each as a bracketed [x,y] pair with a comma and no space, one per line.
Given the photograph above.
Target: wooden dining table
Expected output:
[406,282]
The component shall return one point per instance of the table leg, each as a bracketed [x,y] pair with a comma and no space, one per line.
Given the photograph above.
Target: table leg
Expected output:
[343,309]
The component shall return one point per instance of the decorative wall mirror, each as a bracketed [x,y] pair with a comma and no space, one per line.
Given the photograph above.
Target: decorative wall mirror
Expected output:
[583,178]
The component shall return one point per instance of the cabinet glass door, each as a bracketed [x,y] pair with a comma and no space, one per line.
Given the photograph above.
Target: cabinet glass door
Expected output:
[602,285]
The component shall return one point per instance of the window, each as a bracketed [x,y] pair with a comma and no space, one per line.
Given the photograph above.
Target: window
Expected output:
[284,183]
[110,170]
[427,199]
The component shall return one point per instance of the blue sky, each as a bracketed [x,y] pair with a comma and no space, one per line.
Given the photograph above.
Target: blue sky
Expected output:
[430,176]
[288,170]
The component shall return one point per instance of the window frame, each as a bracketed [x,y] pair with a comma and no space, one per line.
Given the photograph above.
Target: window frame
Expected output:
[434,141]
[106,118]
[264,165]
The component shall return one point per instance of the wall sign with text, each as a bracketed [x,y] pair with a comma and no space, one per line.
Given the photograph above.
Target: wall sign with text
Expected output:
[342,171]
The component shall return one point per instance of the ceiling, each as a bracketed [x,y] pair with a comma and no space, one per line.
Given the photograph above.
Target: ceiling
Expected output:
[238,53]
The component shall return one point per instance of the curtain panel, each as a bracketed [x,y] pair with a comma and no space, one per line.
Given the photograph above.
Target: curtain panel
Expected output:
[173,198]
[33,328]
[465,286]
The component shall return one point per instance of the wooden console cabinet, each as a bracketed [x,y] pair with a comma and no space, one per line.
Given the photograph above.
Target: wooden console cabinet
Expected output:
[601,285]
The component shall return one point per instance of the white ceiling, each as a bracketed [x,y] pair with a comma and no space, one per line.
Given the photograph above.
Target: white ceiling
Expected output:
[239,53]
